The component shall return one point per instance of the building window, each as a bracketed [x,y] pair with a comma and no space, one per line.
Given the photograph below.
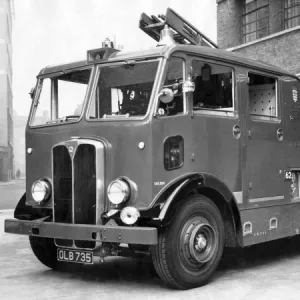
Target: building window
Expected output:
[291,13]
[255,20]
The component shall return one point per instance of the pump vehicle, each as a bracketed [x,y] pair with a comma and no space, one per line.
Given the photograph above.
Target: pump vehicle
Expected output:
[175,152]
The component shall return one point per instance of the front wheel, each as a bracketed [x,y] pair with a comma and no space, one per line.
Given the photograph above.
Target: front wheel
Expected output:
[190,248]
[45,251]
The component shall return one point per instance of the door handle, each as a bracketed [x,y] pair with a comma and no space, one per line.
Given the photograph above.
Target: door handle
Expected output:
[236,131]
[280,134]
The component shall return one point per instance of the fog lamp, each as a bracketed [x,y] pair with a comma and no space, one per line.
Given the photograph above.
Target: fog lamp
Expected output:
[41,190]
[118,191]
[129,215]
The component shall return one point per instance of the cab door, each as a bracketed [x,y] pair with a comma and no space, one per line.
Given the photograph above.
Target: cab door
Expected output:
[171,133]
[263,183]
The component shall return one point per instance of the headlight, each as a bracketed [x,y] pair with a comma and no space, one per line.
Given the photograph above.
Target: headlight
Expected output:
[41,190]
[118,191]
[129,215]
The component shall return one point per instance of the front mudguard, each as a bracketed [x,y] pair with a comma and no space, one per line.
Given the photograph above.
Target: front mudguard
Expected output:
[26,212]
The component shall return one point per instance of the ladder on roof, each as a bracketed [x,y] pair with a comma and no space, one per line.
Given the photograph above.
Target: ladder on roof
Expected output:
[183,32]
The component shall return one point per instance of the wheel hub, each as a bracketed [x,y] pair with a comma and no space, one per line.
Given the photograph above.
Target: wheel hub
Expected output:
[199,241]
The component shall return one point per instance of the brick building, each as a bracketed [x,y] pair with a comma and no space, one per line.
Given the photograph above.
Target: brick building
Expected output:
[6,110]
[268,30]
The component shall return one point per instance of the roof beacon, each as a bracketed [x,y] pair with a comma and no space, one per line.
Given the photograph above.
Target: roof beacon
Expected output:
[166,37]
[107,43]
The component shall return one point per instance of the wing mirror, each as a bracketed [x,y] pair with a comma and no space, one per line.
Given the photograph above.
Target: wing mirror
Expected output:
[32,93]
[166,95]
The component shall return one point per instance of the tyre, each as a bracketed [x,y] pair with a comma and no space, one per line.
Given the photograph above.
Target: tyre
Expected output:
[189,249]
[45,251]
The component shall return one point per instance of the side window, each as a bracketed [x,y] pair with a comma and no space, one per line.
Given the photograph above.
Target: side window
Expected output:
[262,97]
[213,87]
[173,81]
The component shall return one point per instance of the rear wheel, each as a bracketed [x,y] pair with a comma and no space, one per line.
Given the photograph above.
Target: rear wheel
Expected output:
[45,251]
[190,248]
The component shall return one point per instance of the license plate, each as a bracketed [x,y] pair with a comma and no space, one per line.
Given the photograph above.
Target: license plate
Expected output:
[81,257]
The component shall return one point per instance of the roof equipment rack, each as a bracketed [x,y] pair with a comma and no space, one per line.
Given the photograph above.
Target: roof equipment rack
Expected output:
[183,32]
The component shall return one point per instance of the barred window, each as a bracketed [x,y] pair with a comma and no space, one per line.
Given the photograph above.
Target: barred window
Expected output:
[291,13]
[255,20]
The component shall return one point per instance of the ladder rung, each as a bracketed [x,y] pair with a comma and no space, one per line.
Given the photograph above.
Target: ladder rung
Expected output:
[155,19]
[155,26]
[163,17]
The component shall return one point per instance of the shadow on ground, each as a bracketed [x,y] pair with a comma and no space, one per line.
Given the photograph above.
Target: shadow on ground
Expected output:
[261,254]
[133,271]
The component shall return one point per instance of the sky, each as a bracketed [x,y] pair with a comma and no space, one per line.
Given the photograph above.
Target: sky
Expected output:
[50,32]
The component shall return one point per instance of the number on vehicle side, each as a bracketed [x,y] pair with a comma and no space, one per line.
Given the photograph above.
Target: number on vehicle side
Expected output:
[287,175]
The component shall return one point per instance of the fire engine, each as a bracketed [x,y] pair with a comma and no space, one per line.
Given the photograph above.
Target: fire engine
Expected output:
[174,152]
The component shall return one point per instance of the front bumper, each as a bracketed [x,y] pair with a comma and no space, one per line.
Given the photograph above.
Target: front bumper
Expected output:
[97,233]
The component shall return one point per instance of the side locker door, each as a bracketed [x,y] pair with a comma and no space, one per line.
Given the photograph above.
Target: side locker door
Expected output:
[265,144]
[263,178]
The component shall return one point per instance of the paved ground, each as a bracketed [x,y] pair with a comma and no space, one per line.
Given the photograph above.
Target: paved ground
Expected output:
[270,271]
[10,193]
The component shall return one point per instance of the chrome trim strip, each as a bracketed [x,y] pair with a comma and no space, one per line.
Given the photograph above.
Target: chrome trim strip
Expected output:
[266,199]
[73,183]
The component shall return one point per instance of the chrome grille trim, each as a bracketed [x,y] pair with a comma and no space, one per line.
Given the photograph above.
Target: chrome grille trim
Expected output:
[72,146]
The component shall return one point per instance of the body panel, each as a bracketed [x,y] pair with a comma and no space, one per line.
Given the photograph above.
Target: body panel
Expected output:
[42,140]
[283,217]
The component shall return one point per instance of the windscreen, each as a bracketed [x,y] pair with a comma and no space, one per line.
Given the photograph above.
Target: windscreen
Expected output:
[123,90]
[60,99]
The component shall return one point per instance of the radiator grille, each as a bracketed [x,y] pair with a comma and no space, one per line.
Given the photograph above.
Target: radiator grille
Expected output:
[79,208]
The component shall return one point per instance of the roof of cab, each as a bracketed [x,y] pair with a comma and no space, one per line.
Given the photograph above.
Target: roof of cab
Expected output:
[166,51]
